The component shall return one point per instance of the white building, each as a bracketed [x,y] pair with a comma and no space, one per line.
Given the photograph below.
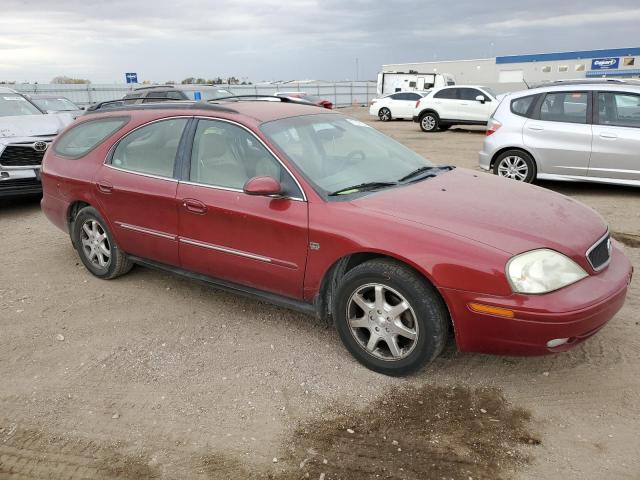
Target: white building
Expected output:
[512,71]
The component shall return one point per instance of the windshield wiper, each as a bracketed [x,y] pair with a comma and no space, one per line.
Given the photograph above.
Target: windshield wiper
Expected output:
[417,173]
[367,186]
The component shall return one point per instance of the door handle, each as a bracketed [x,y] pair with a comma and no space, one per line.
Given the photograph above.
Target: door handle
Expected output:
[104,187]
[608,135]
[536,128]
[194,206]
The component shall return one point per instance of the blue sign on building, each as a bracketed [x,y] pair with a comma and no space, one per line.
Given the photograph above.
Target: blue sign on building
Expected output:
[131,77]
[610,63]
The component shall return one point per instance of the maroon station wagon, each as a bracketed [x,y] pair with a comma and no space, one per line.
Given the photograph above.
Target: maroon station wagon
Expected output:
[317,211]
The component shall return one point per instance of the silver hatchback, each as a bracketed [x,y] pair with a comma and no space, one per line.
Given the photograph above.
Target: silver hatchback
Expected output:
[578,132]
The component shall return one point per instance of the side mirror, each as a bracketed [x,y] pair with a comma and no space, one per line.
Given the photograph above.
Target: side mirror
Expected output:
[480,98]
[264,186]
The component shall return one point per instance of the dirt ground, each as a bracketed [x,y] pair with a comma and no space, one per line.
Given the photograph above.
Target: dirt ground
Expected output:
[154,376]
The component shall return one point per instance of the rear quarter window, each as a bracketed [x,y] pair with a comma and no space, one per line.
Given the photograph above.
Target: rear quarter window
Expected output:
[523,106]
[86,136]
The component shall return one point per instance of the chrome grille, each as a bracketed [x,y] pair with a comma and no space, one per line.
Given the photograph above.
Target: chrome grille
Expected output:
[600,253]
[20,156]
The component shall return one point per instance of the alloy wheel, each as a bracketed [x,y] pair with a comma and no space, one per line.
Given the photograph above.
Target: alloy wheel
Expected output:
[428,122]
[513,167]
[95,244]
[384,114]
[382,321]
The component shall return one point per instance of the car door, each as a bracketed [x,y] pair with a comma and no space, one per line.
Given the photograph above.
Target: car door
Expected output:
[407,104]
[255,241]
[446,103]
[394,104]
[472,109]
[136,189]
[559,136]
[615,150]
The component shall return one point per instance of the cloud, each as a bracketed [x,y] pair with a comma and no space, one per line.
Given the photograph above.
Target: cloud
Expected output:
[269,39]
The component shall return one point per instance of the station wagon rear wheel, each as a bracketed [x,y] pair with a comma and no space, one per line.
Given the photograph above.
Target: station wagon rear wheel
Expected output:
[389,317]
[384,114]
[95,245]
[516,165]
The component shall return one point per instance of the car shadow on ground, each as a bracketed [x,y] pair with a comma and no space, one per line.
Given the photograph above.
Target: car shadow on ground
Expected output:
[16,204]
[588,188]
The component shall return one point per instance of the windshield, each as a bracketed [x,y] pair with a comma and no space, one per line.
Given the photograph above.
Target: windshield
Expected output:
[56,104]
[490,91]
[12,105]
[335,152]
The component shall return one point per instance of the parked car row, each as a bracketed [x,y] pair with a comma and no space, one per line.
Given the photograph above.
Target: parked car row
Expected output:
[576,130]
[439,108]
[188,187]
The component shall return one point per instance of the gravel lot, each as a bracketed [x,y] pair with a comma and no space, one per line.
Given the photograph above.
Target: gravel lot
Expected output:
[154,376]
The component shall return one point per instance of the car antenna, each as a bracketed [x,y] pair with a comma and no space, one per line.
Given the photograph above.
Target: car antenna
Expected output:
[525,82]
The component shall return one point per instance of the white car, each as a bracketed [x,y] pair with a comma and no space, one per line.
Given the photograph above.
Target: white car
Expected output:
[455,105]
[25,133]
[396,105]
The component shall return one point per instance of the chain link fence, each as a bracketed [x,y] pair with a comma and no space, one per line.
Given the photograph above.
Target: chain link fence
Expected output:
[342,94]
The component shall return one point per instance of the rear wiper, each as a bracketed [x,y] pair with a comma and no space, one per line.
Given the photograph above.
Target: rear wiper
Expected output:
[362,187]
[427,168]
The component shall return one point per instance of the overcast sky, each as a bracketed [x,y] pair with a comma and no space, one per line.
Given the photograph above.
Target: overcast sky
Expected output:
[295,39]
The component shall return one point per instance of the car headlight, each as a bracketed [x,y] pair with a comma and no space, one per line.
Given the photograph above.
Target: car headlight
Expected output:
[542,271]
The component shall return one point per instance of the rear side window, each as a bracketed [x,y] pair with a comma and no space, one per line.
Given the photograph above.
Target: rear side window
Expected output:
[568,107]
[450,93]
[150,149]
[523,106]
[619,109]
[83,138]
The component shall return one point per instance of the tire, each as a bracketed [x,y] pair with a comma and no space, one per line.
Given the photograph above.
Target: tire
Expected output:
[429,122]
[93,240]
[384,114]
[423,316]
[517,165]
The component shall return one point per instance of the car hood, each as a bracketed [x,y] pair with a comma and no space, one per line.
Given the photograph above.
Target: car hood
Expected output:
[505,214]
[33,125]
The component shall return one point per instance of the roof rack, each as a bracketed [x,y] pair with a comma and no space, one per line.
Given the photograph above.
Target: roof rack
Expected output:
[587,81]
[261,98]
[150,87]
[119,105]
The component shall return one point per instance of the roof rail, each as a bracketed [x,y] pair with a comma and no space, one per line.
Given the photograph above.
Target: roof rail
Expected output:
[586,81]
[119,105]
[261,98]
[149,87]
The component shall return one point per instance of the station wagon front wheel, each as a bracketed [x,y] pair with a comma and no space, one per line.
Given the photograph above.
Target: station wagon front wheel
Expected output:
[389,317]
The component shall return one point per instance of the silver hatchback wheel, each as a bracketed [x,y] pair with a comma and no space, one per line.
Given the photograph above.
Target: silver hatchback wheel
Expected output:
[95,244]
[382,322]
[514,167]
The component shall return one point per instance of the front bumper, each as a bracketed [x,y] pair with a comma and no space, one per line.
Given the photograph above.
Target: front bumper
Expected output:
[575,312]
[20,182]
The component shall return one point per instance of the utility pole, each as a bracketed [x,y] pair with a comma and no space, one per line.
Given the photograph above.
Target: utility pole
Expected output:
[356,69]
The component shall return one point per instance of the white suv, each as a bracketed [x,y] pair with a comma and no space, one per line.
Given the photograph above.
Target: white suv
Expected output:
[455,105]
